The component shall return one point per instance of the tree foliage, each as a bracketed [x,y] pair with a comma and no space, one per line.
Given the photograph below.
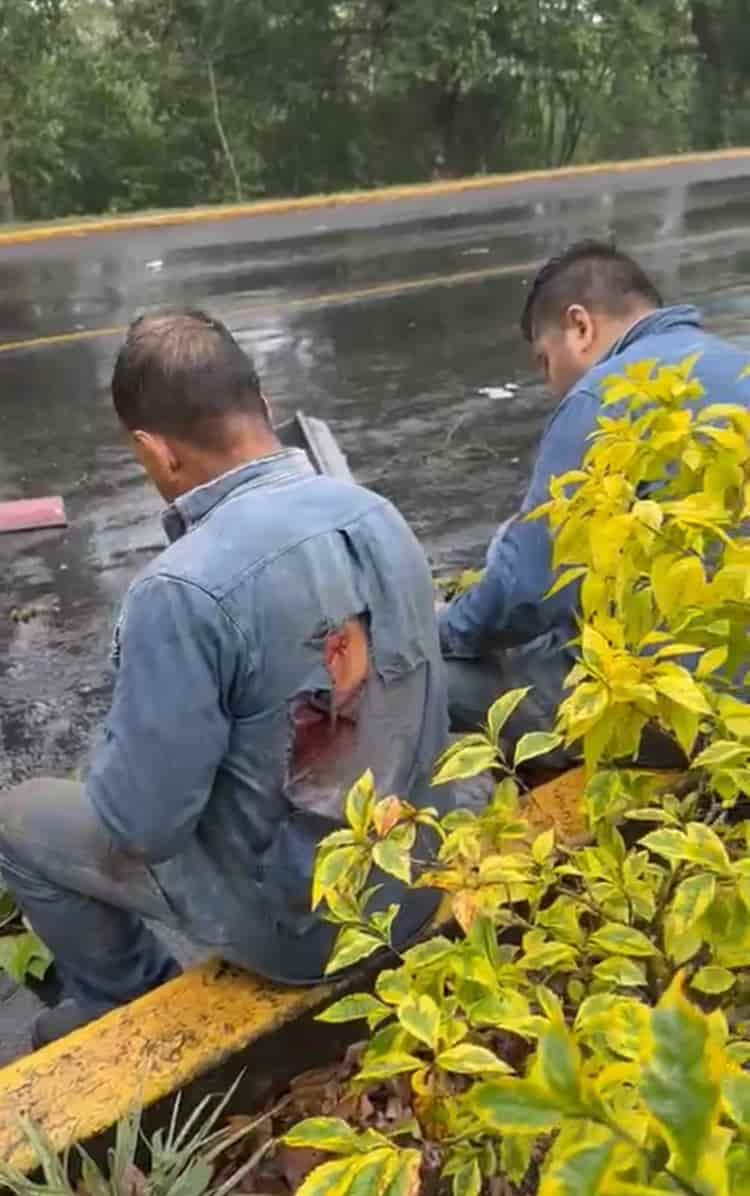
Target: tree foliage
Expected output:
[122,104]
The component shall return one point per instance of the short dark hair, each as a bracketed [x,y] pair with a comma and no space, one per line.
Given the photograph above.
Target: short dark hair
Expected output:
[592,273]
[181,373]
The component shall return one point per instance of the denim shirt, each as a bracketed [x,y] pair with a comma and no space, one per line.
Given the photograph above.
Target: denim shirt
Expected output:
[508,607]
[220,639]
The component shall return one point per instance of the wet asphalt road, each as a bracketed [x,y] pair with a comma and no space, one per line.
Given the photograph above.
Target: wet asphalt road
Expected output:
[389,320]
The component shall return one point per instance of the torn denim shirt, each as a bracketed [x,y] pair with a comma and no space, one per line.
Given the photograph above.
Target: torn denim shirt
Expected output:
[224,759]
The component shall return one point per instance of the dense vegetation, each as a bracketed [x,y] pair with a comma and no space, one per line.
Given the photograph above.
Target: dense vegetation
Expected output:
[124,104]
[587,1032]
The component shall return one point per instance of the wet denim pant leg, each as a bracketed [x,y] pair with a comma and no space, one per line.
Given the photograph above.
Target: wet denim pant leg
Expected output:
[84,898]
[473,685]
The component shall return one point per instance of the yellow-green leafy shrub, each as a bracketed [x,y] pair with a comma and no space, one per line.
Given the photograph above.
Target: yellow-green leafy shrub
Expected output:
[592,1016]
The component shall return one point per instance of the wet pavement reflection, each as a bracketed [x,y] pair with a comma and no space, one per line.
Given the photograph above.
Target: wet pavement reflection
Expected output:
[402,335]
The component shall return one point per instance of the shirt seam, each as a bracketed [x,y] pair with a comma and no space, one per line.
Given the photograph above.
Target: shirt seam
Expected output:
[165,575]
[264,562]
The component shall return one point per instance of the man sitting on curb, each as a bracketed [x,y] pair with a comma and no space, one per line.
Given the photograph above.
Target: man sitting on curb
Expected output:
[589,313]
[283,643]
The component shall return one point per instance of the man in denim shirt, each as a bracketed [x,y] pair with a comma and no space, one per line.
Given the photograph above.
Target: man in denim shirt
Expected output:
[282,644]
[589,313]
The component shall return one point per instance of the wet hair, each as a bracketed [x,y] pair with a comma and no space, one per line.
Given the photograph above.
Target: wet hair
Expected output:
[592,273]
[181,373]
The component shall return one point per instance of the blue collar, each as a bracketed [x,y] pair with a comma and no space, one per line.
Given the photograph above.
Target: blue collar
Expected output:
[662,320]
[287,465]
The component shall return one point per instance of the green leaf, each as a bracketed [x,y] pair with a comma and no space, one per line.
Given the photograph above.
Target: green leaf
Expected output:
[541,956]
[395,1063]
[671,844]
[513,1105]
[561,918]
[351,947]
[543,846]
[468,1180]
[360,801]
[392,859]
[392,985]
[616,939]
[581,1172]
[681,947]
[678,1084]
[333,868]
[429,953]
[711,661]
[351,1009]
[501,710]
[557,1069]
[405,1182]
[713,980]
[676,684]
[735,1089]
[23,955]
[461,765]
[622,973]
[706,848]
[678,583]
[322,1133]
[330,1179]
[382,920]
[686,725]
[565,578]
[516,1153]
[469,1060]
[691,900]
[722,752]
[421,1017]
[535,743]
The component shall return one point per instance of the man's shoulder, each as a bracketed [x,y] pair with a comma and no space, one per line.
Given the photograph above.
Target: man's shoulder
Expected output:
[249,529]
[719,363]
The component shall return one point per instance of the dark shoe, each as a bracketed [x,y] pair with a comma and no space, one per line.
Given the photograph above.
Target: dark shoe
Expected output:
[52,1024]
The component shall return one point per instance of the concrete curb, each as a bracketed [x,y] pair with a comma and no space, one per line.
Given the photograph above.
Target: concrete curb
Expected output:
[278,207]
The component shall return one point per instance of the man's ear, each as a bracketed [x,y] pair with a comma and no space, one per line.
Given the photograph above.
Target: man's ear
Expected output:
[580,323]
[158,458]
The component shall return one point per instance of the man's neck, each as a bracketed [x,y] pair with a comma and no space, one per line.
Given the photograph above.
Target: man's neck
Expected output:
[615,329]
[204,467]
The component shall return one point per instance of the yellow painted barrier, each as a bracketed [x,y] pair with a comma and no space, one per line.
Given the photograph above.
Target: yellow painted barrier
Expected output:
[279,207]
[80,1086]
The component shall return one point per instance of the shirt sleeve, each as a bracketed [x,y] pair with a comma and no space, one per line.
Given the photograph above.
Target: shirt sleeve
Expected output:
[168,728]
[507,606]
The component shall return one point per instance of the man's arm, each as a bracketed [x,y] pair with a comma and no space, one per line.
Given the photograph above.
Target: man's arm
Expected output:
[507,606]
[169,724]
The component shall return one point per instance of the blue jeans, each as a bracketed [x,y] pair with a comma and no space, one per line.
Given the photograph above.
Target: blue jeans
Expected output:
[473,685]
[88,901]
[83,897]
[543,664]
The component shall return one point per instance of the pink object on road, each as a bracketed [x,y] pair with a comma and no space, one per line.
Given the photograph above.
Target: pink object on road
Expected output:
[28,514]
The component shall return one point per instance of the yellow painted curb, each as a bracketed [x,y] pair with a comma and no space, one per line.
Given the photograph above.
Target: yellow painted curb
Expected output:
[80,1086]
[280,207]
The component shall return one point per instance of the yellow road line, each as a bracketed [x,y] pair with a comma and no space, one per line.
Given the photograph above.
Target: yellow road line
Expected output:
[329,299]
[60,338]
[278,207]
[382,290]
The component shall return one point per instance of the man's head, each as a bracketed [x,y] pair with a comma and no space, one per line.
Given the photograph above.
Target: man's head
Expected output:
[577,307]
[190,400]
